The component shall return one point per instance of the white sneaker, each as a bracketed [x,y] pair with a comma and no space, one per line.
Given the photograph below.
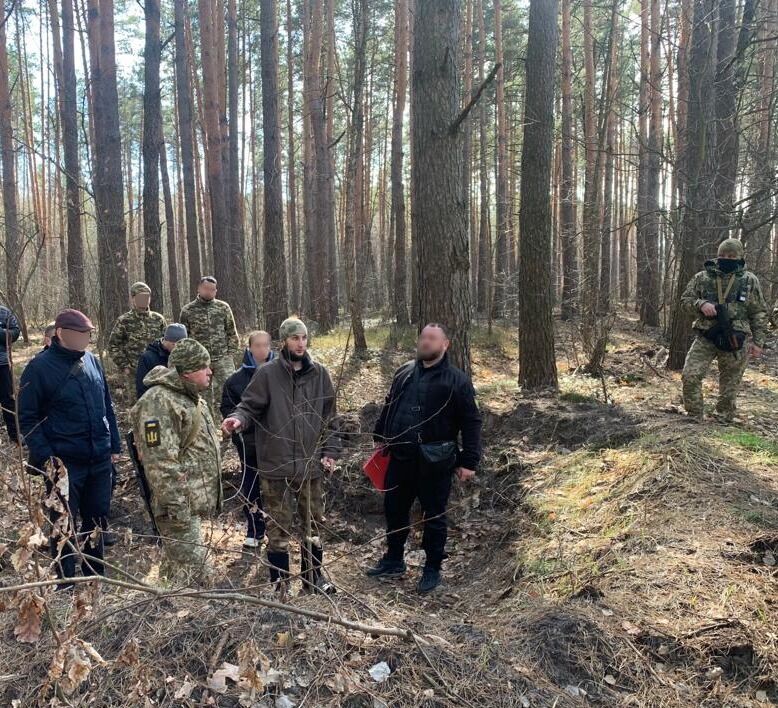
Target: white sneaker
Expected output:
[249,542]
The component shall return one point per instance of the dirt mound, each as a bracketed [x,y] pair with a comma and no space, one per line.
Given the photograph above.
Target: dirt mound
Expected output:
[568,425]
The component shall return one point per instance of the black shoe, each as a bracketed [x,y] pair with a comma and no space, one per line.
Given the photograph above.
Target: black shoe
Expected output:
[109,538]
[279,567]
[430,579]
[387,567]
[314,579]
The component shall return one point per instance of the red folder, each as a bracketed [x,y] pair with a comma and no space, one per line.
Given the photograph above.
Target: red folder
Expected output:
[375,468]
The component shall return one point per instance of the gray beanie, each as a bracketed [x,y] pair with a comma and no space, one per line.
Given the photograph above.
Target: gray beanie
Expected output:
[175,332]
[291,326]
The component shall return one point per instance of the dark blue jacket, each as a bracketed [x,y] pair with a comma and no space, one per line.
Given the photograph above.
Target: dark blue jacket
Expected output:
[9,331]
[155,355]
[436,405]
[237,382]
[65,408]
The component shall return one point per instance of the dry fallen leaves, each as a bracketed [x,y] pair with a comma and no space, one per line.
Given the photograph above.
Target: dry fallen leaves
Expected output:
[28,627]
[72,663]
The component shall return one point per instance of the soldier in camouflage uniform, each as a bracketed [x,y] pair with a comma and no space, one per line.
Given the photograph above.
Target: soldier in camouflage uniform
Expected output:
[132,333]
[179,446]
[726,281]
[211,323]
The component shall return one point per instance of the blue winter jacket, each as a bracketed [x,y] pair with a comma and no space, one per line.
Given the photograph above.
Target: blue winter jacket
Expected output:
[65,408]
[9,331]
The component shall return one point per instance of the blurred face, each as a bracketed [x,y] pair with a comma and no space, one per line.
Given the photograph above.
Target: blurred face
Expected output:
[206,290]
[141,301]
[169,346]
[200,378]
[47,338]
[297,344]
[730,256]
[72,340]
[260,347]
[432,344]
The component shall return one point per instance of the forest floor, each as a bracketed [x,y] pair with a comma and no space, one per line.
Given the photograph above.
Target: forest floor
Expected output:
[610,552]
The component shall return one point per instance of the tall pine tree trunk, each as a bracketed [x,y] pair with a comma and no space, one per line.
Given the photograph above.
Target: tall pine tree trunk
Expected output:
[398,238]
[242,305]
[152,144]
[65,73]
[698,236]
[438,211]
[186,144]
[212,80]
[274,299]
[567,188]
[537,361]
[353,237]
[108,179]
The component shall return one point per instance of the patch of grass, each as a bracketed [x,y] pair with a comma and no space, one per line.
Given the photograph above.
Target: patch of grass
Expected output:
[752,442]
[757,518]
[497,385]
[575,397]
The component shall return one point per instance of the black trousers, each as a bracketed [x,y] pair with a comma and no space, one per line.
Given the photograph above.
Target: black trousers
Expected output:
[249,487]
[406,481]
[7,401]
[89,492]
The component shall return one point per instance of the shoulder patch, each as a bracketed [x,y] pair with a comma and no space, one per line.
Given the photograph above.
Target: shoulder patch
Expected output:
[151,433]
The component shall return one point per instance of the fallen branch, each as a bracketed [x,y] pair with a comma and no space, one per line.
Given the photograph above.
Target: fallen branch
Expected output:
[405,634]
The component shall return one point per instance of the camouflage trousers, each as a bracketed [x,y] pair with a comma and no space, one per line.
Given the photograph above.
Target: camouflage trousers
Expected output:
[182,542]
[278,499]
[732,366]
[223,367]
[128,382]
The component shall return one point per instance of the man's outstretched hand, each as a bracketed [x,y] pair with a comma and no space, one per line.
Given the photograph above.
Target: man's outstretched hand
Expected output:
[231,425]
[328,463]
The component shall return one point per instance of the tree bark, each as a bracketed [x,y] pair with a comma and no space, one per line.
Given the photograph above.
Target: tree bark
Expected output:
[65,74]
[537,361]
[438,211]
[12,233]
[274,299]
[353,236]
[699,234]
[152,145]
[186,144]
[398,238]
[503,246]
[242,306]
[108,180]
[212,80]
[567,189]
[294,234]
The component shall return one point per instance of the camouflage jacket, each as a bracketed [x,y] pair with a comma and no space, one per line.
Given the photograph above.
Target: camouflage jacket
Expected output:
[745,301]
[179,446]
[131,334]
[211,323]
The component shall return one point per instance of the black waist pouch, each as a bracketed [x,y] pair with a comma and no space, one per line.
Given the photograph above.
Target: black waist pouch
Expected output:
[439,456]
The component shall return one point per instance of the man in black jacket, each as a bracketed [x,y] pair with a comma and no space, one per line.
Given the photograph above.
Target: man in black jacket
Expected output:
[157,354]
[257,353]
[9,333]
[429,406]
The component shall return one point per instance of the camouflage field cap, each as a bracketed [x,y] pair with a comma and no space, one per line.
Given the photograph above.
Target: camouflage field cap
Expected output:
[291,326]
[731,246]
[188,356]
[139,287]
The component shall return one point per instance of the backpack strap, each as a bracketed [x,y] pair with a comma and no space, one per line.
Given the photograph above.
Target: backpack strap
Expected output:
[724,294]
